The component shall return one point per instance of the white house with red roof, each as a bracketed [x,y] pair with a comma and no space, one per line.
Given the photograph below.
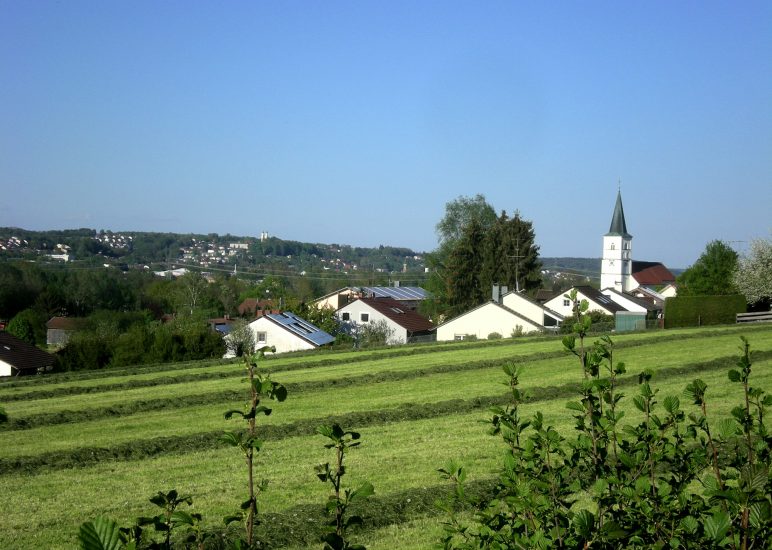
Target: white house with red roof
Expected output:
[404,324]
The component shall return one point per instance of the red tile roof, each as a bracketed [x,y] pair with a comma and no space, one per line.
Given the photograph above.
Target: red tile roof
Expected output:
[408,319]
[65,323]
[251,305]
[652,273]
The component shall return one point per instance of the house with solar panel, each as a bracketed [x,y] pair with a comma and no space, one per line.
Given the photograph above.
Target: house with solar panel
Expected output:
[408,296]
[405,325]
[287,332]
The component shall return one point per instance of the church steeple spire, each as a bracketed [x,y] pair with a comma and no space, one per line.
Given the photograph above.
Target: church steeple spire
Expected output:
[617,263]
[618,225]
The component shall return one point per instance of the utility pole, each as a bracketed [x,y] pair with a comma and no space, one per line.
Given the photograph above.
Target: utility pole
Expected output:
[517,257]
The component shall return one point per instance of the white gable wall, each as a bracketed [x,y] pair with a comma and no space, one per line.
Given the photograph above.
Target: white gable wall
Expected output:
[357,308]
[5,369]
[482,321]
[516,302]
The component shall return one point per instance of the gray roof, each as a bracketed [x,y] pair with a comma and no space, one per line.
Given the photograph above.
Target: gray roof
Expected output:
[600,299]
[301,327]
[618,225]
[396,292]
[634,299]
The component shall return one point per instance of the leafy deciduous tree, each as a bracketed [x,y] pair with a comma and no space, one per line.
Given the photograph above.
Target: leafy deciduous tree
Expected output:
[753,277]
[712,273]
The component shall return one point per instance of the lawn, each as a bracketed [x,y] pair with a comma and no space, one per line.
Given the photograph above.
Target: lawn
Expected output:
[399,456]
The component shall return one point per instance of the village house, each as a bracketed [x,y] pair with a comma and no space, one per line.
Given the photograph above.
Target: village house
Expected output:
[17,357]
[287,332]
[405,325]
[507,314]
[59,329]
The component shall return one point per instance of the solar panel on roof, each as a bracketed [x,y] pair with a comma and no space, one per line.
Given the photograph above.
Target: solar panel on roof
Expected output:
[302,328]
[397,293]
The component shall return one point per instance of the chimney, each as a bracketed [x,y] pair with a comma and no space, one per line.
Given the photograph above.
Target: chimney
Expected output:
[496,294]
[396,284]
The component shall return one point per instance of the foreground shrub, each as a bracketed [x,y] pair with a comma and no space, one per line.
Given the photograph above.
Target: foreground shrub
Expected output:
[669,481]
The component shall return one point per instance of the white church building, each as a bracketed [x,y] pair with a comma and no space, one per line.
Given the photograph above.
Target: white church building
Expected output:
[618,270]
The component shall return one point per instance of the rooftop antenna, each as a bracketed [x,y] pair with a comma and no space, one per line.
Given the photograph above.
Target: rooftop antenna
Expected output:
[517,257]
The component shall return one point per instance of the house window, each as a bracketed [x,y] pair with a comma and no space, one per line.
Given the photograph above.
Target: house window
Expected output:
[364,317]
[459,337]
[262,338]
[611,262]
[345,316]
[566,302]
[613,246]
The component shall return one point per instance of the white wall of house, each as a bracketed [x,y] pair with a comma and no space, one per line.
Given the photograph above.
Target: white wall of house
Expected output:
[629,305]
[563,305]
[482,321]
[362,314]
[335,300]
[5,369]
[517,302]
[275,335]
[670,291]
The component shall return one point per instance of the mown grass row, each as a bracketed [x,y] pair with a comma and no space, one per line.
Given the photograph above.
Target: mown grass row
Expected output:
[163,375]
[406,411]
[110,431]
[320,357]
[122,404]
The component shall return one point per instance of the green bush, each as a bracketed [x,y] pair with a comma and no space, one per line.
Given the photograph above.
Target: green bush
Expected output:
[692,311]
[494,336]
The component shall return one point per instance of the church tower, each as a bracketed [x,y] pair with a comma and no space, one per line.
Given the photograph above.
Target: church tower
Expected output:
[616,266]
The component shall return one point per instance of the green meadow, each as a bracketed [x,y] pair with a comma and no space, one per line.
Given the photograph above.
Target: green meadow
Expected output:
[83,445]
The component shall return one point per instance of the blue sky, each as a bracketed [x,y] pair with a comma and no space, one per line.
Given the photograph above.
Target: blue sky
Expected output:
[355,122]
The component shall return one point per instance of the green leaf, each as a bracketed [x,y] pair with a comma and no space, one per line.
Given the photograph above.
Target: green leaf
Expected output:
[231,518]
[759,514]
[584,522]
[231,438]
[180,517]
[100,534]
[229,414]
[364,491]
[575,406]
[734,375]
[717,526]
[279,393]
[727,427]
[690,524]
[753,478]
[671,404]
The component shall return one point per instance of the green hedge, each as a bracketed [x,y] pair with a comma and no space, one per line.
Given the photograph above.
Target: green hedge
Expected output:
[693,311]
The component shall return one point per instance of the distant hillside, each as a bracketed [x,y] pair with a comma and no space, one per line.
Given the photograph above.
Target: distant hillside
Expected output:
[583,266]
[225,252]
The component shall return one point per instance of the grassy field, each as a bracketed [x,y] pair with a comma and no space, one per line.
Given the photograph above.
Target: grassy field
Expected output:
[87,444]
